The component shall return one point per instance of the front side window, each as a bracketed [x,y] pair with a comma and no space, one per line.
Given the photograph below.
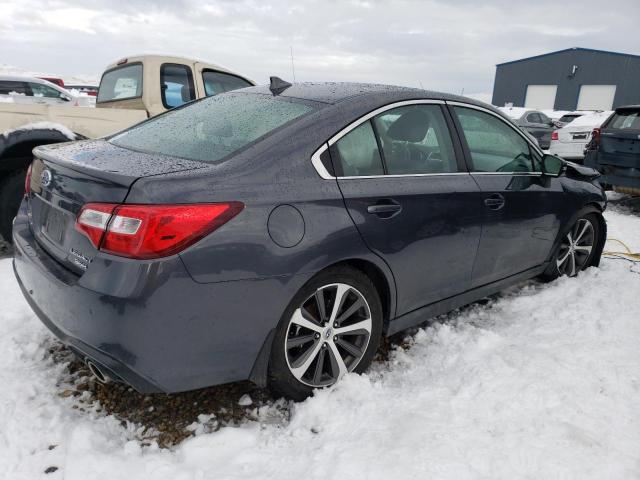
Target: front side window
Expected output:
[121,83]
[415,139]
[494,145]
[218,82]
[213,128]
[176,83]
[40,90]
[357,153]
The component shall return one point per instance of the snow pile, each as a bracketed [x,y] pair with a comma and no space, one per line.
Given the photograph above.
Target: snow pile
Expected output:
[42,126]
[514,112]
[542,382]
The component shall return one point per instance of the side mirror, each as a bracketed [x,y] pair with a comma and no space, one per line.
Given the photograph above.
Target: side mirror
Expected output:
[552,165]
[64,97]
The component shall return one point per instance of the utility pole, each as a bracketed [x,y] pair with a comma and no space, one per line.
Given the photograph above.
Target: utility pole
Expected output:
[293,68]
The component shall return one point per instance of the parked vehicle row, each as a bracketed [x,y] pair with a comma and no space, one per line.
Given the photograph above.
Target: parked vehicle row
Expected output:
[276,233]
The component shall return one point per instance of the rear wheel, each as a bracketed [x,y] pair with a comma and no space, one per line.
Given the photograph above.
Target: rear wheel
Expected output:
[331,327]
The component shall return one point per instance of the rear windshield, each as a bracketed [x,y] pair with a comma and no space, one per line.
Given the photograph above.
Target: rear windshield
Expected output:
[625,120]
[213,128]
[121,83]
[568,118]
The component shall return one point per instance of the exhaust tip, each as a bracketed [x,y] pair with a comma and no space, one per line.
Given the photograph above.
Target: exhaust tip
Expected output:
[97,373]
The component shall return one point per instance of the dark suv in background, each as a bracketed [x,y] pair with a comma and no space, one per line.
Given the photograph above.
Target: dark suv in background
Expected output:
[614,150]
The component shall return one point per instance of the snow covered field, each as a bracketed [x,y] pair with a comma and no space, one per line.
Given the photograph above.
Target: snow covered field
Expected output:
[541,383]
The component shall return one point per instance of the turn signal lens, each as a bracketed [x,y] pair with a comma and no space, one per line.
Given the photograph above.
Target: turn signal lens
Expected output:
[151,231]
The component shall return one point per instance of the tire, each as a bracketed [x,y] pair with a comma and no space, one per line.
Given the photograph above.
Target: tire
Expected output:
[586,235]
[11,191]
[304,350]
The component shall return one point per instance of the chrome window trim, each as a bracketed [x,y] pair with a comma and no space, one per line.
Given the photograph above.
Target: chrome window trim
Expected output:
[356,123]
[318,165]
[322,171]
[499,117]
[402,175]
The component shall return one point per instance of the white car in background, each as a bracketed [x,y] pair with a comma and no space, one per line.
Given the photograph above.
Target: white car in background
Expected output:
[32,90]
[570,141]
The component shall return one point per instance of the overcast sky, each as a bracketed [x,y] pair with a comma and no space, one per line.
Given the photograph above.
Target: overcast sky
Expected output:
[441,45]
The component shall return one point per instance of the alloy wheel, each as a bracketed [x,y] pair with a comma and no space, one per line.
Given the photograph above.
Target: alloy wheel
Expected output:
[575,249]
[328,335]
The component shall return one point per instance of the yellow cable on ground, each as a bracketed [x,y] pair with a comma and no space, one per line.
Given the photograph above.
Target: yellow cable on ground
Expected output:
[628,255]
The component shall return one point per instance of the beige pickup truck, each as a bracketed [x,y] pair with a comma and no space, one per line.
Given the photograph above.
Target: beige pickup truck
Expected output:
[131,90]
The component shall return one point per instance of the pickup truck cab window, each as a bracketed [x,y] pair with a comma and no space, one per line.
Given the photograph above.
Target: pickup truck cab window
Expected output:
[219,82]
[176,84]
[121,83]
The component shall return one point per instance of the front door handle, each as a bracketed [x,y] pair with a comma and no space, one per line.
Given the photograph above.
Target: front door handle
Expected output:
[385,208]
[495,201]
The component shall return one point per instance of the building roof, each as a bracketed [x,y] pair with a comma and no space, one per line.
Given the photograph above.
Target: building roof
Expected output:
[590,50]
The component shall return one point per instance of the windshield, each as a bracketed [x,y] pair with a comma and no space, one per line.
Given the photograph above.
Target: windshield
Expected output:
[213,128]
[121,83]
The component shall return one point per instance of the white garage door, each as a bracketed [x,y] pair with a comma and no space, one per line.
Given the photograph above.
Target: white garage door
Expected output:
[540,97]
[596,97]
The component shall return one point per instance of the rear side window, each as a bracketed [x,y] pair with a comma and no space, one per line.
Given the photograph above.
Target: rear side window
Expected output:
[415,139]
[568,118]
[14,88]
[494,146]
[218,82]
[176,82]
[357,153]
[213,128]
[625,120]
[121,83]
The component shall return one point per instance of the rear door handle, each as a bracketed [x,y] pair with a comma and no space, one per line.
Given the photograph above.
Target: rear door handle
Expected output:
[495,201]
[385,208]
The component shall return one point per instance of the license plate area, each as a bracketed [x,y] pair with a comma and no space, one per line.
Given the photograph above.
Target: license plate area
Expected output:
[580,136]
[54,225]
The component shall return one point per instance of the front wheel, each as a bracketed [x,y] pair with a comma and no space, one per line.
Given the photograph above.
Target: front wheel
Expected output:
[579,248]
[330,328]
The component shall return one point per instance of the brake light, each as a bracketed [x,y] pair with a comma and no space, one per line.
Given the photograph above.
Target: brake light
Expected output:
[27,181]
[554,135]
[594,143]
[151,231]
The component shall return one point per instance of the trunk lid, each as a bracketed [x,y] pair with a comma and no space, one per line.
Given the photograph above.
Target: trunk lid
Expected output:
[579,134]
[65,177]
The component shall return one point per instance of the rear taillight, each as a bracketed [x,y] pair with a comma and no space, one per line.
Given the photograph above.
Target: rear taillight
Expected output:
[151,231]
[594,143]
[554,135]
[27,181]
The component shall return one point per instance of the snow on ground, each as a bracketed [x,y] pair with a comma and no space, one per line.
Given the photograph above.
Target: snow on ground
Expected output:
[541,382]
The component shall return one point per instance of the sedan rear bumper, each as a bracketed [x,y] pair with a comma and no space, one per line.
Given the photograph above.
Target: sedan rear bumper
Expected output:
[148,323]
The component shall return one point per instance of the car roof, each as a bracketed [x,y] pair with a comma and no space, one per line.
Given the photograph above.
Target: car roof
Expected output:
[627,107]
[336,92]
[24,78]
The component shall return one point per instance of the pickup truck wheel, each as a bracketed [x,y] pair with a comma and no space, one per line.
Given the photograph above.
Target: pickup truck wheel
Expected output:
[11,190]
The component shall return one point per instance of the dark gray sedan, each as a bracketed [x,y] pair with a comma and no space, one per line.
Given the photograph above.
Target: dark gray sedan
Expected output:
[275,234]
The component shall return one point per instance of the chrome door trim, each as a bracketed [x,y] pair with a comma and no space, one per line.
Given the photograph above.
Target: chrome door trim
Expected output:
[403,175]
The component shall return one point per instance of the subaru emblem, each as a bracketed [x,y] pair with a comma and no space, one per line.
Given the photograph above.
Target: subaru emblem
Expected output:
[45,178]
